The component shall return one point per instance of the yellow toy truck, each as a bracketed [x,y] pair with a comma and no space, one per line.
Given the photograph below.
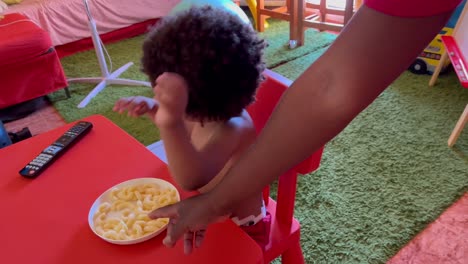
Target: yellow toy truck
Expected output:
[430,56]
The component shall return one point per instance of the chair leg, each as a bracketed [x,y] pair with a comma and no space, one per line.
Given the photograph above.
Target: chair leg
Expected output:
[293,23]
[458,127]
[260,17]
[323,11]
[349,10]
[293,255]
[67,92]
[300,22]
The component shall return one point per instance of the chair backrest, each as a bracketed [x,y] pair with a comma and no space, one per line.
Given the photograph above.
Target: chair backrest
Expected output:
[268,95]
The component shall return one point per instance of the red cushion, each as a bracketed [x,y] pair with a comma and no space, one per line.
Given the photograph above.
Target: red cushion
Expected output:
[21,39]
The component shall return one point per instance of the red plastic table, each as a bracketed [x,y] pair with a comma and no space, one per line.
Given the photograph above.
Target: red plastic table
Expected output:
[44,220]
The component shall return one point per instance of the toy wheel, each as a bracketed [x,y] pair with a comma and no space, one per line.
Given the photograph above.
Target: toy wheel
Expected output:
[292,44]
[418,67]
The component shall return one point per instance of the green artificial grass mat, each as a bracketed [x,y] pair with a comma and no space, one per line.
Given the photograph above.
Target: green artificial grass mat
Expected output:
[85,64]
[386,176]
[278,51]
[381,181]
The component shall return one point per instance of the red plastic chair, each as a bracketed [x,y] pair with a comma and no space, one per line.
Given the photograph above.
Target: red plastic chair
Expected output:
[285,229]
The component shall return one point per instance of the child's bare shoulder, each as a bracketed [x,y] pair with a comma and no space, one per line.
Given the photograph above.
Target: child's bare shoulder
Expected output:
[242,125]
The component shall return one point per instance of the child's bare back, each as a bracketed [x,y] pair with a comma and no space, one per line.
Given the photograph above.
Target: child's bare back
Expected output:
[217,134]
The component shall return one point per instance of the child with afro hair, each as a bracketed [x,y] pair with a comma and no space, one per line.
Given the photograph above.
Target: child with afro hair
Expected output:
[205,65]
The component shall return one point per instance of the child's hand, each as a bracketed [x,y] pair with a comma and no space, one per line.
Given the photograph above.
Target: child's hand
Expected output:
[136,106]
[171,92]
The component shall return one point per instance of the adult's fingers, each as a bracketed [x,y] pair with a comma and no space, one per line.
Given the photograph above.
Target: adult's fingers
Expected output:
[168,211]
[167,241]
[199,236]
[176,229]
[188,243]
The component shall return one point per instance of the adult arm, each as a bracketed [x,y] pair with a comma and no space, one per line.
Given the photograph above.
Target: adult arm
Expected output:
[370,53]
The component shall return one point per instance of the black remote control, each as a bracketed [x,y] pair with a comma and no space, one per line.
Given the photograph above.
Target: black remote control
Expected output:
[52,152]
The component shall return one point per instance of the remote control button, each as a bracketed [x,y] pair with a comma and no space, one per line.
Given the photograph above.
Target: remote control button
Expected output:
[31,172]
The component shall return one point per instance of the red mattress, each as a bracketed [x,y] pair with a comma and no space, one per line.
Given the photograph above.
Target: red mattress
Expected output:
[29,65]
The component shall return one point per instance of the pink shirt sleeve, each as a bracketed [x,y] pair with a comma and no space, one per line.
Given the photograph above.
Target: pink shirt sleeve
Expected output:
[412,8]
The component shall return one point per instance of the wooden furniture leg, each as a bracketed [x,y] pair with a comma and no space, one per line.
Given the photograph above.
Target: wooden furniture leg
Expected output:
[458,127]
[294,18]
[323,10]
[349,11]
[260,17]
[301,7]
[435,75]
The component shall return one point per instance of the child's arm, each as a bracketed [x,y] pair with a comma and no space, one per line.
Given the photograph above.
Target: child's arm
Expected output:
[137,106]
[191,168]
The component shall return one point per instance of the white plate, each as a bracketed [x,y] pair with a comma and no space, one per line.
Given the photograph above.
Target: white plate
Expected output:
[105,198]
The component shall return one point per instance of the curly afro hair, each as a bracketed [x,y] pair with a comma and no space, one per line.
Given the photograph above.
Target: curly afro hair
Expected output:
[219,55]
